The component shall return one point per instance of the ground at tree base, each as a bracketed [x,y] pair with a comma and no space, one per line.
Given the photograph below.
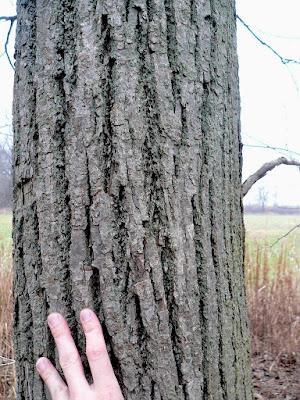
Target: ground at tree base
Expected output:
[276,378]
[272,379]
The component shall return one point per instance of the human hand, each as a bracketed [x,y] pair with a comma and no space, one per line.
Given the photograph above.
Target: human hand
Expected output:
[105,385]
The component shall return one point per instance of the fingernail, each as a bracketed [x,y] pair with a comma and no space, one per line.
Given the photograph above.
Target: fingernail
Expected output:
[86,315]
[54,320]
[42,364]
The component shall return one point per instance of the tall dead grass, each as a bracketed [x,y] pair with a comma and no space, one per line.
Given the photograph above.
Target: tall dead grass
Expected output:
[273,290]
[7,376]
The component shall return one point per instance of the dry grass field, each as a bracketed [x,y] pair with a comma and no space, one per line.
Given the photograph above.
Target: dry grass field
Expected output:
[6,351]
[273,290]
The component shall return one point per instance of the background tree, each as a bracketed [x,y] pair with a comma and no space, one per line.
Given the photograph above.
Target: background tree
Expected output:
[127,192]
[5,175]
[262,197]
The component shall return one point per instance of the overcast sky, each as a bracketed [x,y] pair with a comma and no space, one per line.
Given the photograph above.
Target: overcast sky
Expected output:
[270,91]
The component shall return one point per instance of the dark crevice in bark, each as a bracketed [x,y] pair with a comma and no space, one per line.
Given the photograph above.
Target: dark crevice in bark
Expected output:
[94,281]
[94,5]
[193,8]
[142,340]
[176,347]
[195,202]
[59,166]
[36,295]
[121,264]
[150,9]
[184,125]
[104,26]
[113,358]
[167,263]
[168,267]
[108,63]
[70,33]
[216,265]
[172,48]
[150,151]
[152,395]
[95,290]
[89,244]
[119,252]
[127,6]
[147,84]
[176,163]
[35,142]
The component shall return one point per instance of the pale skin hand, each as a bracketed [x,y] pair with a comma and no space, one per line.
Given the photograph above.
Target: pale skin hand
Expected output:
[105,385]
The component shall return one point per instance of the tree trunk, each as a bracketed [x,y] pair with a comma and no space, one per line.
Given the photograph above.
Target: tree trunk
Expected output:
[127,192]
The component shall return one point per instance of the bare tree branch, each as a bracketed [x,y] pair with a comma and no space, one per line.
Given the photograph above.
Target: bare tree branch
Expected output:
[282,59]
[261,172]
[285,235]
[11,19]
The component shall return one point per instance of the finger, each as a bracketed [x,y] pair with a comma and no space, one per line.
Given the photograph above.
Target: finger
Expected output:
[56,386]
[98,358]
[69,358]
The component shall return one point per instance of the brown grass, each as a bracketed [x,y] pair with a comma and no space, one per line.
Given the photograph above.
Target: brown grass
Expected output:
[273,290]
[7,377]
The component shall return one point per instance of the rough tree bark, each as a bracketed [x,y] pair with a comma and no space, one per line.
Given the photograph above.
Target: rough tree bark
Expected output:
[127,191]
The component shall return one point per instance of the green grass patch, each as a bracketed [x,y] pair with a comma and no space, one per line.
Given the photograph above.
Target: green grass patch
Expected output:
[266,229]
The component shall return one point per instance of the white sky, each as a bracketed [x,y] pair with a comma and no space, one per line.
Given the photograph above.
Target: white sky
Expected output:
[270,91]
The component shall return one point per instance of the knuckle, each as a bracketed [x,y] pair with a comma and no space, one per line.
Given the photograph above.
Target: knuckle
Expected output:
[95,353]
[60,390]
[68,359]
[57,331]
[91,327]
[47,375]
[111,392]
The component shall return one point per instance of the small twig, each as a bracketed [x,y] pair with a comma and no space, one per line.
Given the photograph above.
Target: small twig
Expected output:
[11,19]
[282,59]
[278,149]
[262,171]
[285,235]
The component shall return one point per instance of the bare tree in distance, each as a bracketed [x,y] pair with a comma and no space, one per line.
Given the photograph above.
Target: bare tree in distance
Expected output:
[262,197]
[5,175]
